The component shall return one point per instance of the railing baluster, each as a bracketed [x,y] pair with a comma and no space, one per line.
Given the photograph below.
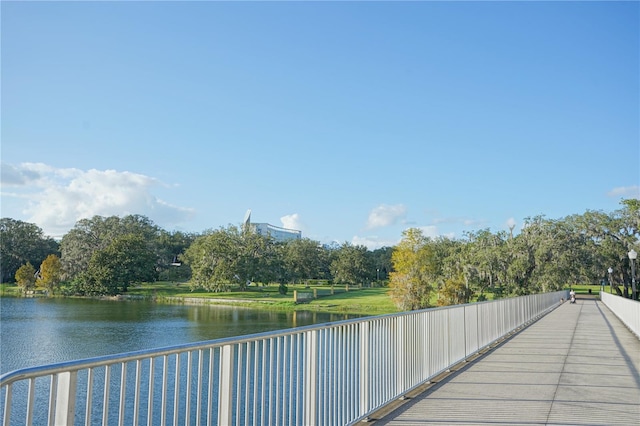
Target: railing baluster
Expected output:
[89,402]
[7,404]
[123,392]
[278,375]
[30,396]
[365,359]
[176,392]
[136,399]
[225,390]
[263,399]
[199,387]
[152,365]
[311,378]
[291,377]
[270,402]
[52,400]
[187,409]
[210,388]
[239,372]
[247,384]
[165,378]
[105,395]
[254,388]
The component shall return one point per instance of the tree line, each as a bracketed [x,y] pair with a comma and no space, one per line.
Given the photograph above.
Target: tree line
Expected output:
[547,255]
[107,255]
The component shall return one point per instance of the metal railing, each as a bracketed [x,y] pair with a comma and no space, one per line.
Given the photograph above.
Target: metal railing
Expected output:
[627,310]
[329,374]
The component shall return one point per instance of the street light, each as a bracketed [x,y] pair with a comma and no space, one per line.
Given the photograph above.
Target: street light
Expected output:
[632,258]
[610,271]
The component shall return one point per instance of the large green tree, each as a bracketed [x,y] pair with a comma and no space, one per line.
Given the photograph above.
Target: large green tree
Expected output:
[414,274]
[260,259]
[485,256]
[22,242]
[26,277]
[230,256]
[613,235]
[50,273]
[302,260]
[352,265]
[381,259]
[454,291]
[113,269]
[91,235]
[171,247]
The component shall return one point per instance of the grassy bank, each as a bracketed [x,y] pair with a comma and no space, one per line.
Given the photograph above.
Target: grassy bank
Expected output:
[10,290]
[367,301]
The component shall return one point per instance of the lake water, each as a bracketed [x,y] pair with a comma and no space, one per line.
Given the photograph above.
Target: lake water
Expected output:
[37,331]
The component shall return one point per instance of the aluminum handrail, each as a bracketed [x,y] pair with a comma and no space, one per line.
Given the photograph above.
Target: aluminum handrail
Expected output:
[330,374]
[627,310]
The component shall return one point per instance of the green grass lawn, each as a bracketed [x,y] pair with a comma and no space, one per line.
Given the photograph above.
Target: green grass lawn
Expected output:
[367,301]
[373,301]
[10,290]
[584,289]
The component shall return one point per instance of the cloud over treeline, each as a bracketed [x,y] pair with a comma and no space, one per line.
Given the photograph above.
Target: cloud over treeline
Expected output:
[56,198]
[385,215]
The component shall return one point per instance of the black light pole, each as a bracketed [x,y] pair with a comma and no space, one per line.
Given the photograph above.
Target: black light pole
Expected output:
[610,271]
[632,258]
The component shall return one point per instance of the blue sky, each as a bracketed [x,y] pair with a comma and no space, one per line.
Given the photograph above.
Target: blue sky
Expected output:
[350,121]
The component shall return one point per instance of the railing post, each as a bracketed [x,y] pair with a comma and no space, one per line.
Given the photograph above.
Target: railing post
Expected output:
[401,359]
[364,366]
[66,398]
[311,378]
[225,390]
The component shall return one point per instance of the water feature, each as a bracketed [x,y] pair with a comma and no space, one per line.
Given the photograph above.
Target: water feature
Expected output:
[37,331]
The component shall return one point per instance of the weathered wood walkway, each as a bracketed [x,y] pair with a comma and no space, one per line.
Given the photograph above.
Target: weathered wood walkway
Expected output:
[578,365]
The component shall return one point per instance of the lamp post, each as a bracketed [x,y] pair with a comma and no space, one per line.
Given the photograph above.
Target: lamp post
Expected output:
[610,271]
[632,258]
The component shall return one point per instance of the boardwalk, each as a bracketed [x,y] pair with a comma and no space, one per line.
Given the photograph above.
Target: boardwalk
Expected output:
[578,365]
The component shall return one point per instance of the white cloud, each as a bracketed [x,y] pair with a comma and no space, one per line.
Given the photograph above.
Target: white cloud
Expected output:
[292,221]
[58,198]
[373,242]
[385,215]
[467,222]
[430,231]
[11,175]
[625,192]
[511,223]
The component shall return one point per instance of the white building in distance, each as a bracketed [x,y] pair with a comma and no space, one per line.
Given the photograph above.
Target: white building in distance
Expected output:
[278,234]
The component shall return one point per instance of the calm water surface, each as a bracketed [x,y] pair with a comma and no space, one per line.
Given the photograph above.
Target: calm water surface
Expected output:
[43,331]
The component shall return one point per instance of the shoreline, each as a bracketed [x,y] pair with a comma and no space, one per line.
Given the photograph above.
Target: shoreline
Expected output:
[353,308]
